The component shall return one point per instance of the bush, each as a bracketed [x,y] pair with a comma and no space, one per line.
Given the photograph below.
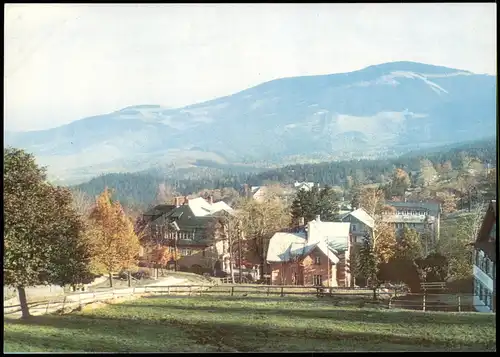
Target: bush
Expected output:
[123,275]
[142,274]
[143,264]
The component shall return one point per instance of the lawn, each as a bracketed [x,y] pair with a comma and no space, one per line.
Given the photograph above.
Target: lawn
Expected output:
[253,323]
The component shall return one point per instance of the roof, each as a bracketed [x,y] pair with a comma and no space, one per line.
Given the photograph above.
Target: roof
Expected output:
[489,248]
[489,220]
[304,185]
[433,208]
[361,215]
[201,207]
[329,237]
[159,210]
[281,243]
[336,234]
[195,217]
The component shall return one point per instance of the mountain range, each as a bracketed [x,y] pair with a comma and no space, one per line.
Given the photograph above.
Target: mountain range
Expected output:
[381,110]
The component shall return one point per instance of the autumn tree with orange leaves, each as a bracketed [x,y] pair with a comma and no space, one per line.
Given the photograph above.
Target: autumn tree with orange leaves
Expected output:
[115,245]
[162,256]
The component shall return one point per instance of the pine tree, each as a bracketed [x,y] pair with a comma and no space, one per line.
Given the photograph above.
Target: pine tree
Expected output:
[367,264]
[309,204]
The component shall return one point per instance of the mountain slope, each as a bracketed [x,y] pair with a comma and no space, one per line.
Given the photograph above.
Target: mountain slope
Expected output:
[382,109]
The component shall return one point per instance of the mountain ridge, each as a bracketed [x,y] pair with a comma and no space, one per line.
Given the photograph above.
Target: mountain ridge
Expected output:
[379,110]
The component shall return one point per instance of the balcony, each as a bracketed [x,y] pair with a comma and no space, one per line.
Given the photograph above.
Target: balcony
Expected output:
[484,269]
[397,218]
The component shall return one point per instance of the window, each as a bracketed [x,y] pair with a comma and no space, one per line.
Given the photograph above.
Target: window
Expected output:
[317,280]
[476,287]
[203,252]
[317,260]
[185,251]
[353,227]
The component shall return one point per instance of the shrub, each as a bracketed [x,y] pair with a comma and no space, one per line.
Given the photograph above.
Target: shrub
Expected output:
[142,264]
[142,274]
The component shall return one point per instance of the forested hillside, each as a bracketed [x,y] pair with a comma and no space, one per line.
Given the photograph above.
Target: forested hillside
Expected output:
[144,188]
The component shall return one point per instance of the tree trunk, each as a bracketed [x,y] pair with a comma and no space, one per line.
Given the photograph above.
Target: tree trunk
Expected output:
[231,270]
[110,279]
[129,277]
[375,294]
[262,258]
[23,302]
[239,256]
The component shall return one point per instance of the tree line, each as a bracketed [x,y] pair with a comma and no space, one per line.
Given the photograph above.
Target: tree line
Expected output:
[142,189]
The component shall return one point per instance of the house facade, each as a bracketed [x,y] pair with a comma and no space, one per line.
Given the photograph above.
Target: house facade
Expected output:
[484,263]
[186,227]
[424,217]
[361,224]
[315,256]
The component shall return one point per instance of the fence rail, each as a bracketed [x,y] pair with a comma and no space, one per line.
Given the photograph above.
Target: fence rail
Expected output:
[424,302]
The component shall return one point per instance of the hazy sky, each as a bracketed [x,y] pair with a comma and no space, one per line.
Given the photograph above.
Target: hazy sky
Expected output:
[65,62]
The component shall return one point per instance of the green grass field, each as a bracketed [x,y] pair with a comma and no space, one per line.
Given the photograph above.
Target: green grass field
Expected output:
[245,324]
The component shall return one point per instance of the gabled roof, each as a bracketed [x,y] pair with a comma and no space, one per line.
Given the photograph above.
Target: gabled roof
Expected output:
[159,210]
[336,234]
[280,246]
[329,237]
[201,207]
[361,215]
[489,220]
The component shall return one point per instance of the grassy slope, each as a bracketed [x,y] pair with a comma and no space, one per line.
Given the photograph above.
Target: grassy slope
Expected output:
[221,323]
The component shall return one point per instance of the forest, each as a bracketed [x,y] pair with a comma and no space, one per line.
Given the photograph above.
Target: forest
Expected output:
[141,189]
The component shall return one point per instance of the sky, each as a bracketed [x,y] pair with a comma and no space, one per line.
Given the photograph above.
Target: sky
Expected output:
[64,62]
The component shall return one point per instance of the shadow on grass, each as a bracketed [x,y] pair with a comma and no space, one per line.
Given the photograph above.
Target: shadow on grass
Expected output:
[327,310]
[139,334]
[16,340]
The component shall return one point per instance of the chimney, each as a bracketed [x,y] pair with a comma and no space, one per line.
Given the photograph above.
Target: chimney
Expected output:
[211,199]
[186,201]
[177,201]
[301,221]
[318,218]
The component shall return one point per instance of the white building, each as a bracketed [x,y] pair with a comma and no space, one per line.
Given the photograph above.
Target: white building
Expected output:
[484,268]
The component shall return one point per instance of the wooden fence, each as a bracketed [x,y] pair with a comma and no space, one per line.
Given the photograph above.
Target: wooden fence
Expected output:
[388,298]
[268,290]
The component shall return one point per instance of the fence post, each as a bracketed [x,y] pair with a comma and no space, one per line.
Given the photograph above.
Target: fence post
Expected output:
[64,302]
[168,290]
[201,289]
[268,288]
[282,293]
[232,290]
[80,300]
[459,307]
[190,290]
[47,310]
[390,302]
[423,303]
